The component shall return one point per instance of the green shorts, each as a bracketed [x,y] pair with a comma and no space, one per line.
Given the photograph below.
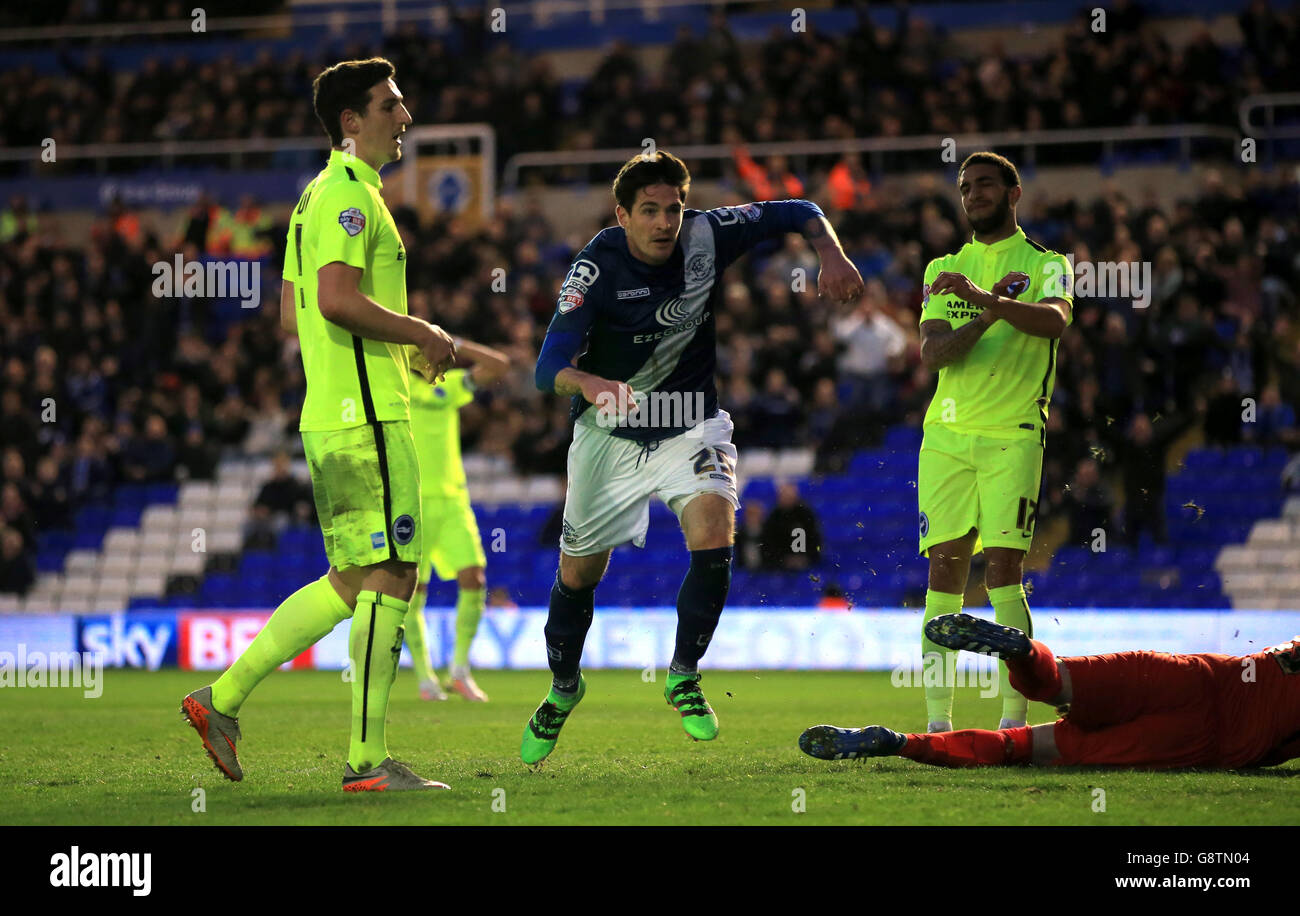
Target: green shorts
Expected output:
[991,485]
[451,539]
[367,492]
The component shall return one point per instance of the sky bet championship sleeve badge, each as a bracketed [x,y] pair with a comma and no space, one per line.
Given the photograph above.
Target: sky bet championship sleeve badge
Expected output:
[352,220]
[570,299]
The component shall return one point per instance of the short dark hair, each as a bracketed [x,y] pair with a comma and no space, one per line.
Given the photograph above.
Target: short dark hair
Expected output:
[642,171]
[346,85]
[1010,175]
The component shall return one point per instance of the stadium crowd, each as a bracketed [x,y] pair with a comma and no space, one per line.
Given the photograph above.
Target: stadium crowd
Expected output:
[868,82]
[103,383]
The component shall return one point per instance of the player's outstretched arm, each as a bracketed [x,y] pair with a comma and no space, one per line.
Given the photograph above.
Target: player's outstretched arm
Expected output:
[489,366]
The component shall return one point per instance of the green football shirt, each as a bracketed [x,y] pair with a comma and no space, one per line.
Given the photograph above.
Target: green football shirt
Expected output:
[342,217]
[435,422]
[1002,387]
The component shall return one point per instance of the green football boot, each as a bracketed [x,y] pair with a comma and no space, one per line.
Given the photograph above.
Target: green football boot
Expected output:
[683,694]
[543,729]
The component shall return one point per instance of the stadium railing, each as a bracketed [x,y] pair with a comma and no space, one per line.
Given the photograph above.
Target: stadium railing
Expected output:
[1029,140]
[1110,138]
[1269,103]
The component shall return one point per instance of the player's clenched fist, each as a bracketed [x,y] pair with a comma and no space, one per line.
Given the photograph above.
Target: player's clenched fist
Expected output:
[838,279]
[951,283]
[438,352]
[612,399]
[1012,285]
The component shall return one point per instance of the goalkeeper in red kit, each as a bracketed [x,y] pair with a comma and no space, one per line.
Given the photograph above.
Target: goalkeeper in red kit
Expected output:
[1129,709]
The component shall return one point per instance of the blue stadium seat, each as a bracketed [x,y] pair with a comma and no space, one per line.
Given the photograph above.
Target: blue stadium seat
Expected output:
[1117,558]
[220,590]
[131,496]
[1203,458]
[125,517]
[1201,580]
[1245,456]
[161,493]
[60,540]
[264,590]
[87,539]
[903,439]
[1159,555]
[1197,557]
[1276,457]
[867,462]
[94,518]
[299,540]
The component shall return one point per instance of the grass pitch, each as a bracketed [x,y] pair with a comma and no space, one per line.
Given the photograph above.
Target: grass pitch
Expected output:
[128,758]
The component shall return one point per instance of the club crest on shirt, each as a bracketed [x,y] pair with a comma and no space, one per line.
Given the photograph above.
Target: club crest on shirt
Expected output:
[925,524]
[1016,287]
[699,268]
[403,529]
[352,220]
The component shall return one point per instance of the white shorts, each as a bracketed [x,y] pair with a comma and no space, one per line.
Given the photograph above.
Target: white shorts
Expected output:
[611,481]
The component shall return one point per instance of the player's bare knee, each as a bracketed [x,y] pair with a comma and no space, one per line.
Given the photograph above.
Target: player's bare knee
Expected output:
[472,579]
[1005,567]
[710,538]
[709,522]
[583,572]
[347,583]
[949,566]
[391,577]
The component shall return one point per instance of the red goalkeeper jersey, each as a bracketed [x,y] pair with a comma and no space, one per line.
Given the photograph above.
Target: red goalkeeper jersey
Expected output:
[1259,706]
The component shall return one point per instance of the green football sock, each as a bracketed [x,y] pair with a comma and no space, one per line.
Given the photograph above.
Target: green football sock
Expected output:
[302,620]
[936,663]
[374,646]
[469,610]
[417,637]
[1011,610]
